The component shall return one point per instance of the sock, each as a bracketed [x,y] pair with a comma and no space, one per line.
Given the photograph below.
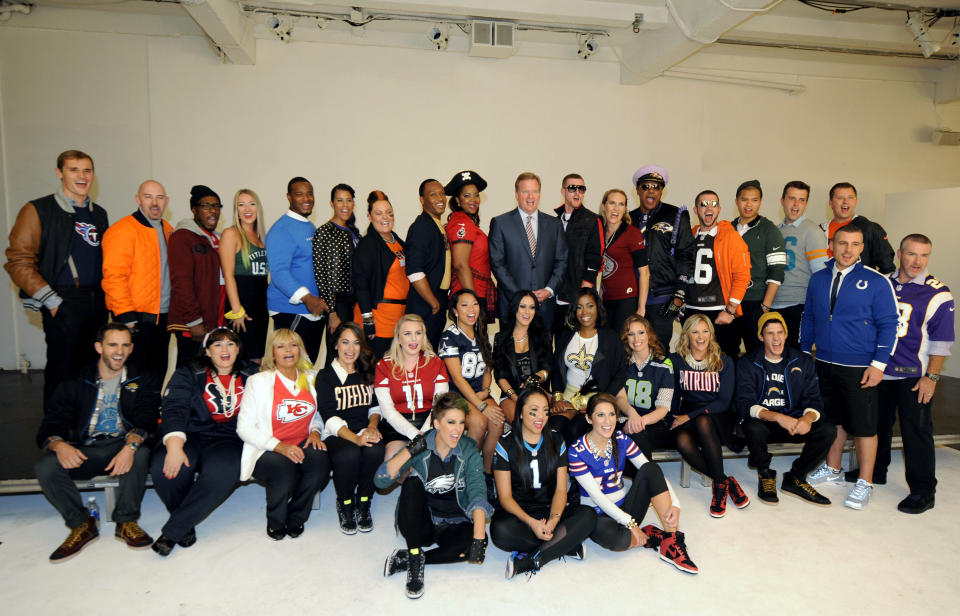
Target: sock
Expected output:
[364,499]
[413,551]
[348,501]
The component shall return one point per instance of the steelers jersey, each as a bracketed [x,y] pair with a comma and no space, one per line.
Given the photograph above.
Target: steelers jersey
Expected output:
[454,343]
[534,485]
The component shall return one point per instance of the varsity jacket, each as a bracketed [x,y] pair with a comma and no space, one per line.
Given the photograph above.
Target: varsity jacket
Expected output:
[733,263]
[68,412]
[584,251]
[877,251]
[609,368]
[768,259]
[132,270]
[372,260]
[862,328]
[194,278]
[670,247]
[39,247]
[184,412]
[471,489]
[800,380]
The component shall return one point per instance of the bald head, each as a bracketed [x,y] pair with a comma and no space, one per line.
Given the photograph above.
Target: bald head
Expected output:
[152,199]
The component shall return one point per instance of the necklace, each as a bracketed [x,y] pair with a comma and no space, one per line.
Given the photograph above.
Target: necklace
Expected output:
[607,451]
[408,385]
[228,395]
[519,340]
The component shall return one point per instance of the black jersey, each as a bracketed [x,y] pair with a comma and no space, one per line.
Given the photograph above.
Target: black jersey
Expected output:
[441,488]
[343,395]
[454,343]
[536,494]
[704,290]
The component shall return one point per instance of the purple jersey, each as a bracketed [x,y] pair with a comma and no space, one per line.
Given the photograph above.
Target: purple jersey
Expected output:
[925,326]
[607,472]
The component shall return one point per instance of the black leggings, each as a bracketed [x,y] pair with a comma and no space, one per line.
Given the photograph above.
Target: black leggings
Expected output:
[353,467]
[698,442]
[647,483]
[418,530]
[509,533]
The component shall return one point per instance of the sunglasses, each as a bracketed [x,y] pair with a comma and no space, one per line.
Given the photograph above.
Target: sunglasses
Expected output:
[572,188]
[706,203]
[651,186]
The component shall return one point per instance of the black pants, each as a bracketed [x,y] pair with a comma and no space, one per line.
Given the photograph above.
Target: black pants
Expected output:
[816,443]
[291,487]
[510,534]
[618,310]
[559,324]
[698,442]
[70,335]
[647,483]
[418,530]
[916,428]
[353,467]
[845,402]
[792,316]
[652,437]
[746,325]
[151,346]
[727,336]
[569,429]
[57,482]
[434,322]
[310,331]
[188,349]
[662,326]
[197,489]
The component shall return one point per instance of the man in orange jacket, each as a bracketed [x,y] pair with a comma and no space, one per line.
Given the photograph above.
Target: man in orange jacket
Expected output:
[136,276]
[721,272]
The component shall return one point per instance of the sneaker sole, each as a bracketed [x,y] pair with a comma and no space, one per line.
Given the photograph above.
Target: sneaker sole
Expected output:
[678,567]
[66,558]
[798,497]
[364,529]
[414,595]
[853,505]
[772,503]
[717,515]
[743,506]
[349,531]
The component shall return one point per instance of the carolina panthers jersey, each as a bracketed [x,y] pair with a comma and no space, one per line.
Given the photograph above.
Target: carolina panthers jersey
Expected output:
[650,386]
[926,320]
[454,343]
[412,392]
[536,494]
[607,471]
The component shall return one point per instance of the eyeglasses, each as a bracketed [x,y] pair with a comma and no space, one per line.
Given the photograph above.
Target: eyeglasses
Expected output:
[651,186]
[209,206]
[574,188]
[706,203]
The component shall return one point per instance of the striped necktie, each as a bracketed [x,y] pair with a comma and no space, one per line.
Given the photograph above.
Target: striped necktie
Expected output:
[531,238]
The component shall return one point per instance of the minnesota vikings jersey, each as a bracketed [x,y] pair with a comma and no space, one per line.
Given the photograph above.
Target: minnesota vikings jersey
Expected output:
[454,343]
[537,493]
[925,326]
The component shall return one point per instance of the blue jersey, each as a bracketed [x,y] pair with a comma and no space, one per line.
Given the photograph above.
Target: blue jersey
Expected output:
[925,326]
[454,343]
[607,471]
[650,385]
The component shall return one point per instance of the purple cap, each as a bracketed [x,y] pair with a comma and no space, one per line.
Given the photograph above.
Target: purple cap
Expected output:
[654,173]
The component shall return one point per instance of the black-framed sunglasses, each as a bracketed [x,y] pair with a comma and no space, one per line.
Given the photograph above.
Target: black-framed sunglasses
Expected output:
[575,188]
[651,186]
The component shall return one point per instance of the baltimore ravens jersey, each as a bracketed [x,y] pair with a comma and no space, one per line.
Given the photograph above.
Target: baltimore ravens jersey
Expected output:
[537,494]
[454,343]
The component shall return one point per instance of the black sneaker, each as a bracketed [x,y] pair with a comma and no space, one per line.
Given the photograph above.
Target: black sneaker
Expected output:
[189,539]
[916,504]
[364,517]
[851,476]
[579,552]
[736,493]
[798,487]
[276,533]
[163,545]
[348,517]
[294,529]
[398,561]
[520,562]
[415,564]
[767,487]
[654,536]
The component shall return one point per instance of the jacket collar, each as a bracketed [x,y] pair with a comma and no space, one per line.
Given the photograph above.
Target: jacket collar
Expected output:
[67,204]
[431,438]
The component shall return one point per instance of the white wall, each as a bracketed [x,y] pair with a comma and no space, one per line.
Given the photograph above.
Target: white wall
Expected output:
[379,117]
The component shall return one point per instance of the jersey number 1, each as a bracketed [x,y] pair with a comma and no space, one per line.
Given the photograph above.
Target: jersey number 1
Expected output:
[535,469]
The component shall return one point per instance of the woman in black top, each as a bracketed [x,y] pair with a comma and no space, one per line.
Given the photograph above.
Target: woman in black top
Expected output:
[198,432]
[530,468]
[522,351]
[345,401]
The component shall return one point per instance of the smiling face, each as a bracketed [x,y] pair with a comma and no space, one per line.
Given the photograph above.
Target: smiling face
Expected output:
[637,339]
[528,195]
[614,208]
[586,312]
[152,199]
[467,310]
[844,204]
[411,338]
[533,416]
[206,212]
[748,204]
[342,205]
[774,336]
[381,217]
[846,247]
[914,257]
[526,310]
[794,203]
[449,427]
[469,199]
[223,355]
[434,200]
[301,199]
[114,350]
[347,348]
[572,196]
[247,209]
[698,338]
[76,177]
[649,194]
[603,420]
[708,210]
[286,354]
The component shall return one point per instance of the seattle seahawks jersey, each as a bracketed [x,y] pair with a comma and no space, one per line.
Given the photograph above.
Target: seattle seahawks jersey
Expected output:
[454,343]
[650,385]
[607,471]
[412,392]
[925,326]
[535,493]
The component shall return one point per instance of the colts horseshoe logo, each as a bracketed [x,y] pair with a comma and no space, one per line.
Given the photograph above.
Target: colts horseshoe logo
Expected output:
[862,285]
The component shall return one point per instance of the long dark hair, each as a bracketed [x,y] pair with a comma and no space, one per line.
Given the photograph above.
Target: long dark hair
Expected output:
[537,332]
[571,318]
[352,221]
[596,400]
[479,328]
[547,455]
[202,360]
[365,360]
[455,206]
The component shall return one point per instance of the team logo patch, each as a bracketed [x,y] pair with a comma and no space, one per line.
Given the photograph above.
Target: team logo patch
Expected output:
[442,484]
[862,285]
[88,232]
[774,390]
[662,227]
[462,231]
[610,266]
[581,359]
[291,410]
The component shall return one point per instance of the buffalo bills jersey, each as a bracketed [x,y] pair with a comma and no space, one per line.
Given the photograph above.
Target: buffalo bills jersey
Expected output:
[454,343]
[537,493]
[607,471]
[925,326]
[412,392]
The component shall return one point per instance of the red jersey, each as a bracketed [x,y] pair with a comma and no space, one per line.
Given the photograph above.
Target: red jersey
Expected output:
[222,403]
[291,413]
[621,258]
[412,393]
[462,230]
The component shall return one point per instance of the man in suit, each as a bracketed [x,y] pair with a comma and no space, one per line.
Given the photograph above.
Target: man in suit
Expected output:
[428,261]
[528,250]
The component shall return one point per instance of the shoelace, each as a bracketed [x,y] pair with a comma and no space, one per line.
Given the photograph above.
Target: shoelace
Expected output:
[74,536]
[806,487]
[719,491]
[133,531]
[859,491]
[770,484]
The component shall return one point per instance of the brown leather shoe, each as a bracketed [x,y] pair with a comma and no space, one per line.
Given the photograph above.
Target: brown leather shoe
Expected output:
[76,540]
[134,536]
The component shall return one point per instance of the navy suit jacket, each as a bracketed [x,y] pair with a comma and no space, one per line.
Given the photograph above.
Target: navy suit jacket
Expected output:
[426,249]
[512,263]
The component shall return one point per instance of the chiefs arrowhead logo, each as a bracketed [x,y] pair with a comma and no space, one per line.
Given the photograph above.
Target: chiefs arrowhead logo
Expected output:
[291,410]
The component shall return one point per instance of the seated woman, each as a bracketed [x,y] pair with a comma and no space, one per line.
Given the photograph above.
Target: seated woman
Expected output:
[589,358]
[465,351]
[522,351]
[703,386]
[646,397]
[597,461]
[533,522]
[407,380]
[443,501]
[281,432]
[352,419]
[198,429]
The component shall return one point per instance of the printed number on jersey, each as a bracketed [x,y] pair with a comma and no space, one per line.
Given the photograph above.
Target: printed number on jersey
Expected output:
[535,468]
[638,393]
[703,270]
[414,394]
[789,244]
[903,322]
[472,365]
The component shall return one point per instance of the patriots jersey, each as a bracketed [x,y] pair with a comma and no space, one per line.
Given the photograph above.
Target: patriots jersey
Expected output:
[412,392]
[926,319]
[454,343]
[649,386]
[537,494]
[607,472]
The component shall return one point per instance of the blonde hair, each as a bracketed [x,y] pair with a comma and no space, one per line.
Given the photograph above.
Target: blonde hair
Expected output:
[714,358]
[395,354]
[303,364]
[238,225]
[626,203]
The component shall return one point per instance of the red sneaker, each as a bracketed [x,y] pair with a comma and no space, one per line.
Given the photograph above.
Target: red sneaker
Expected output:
[737,495]
[673,549]
[718,506]
[654,536]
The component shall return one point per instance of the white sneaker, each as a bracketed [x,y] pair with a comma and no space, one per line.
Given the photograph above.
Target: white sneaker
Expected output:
[860,495]
[826,475]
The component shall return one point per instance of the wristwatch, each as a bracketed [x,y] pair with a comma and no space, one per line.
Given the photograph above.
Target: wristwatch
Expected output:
[134,446]
[932,377]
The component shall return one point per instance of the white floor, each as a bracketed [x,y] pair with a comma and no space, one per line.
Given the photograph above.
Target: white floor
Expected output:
[791,559]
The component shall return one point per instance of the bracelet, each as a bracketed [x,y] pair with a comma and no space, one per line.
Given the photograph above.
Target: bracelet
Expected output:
[236,315]
[727,310]
[555,515]
[557,396]
[631,524]
[482,407]
[509,392]
[765,307]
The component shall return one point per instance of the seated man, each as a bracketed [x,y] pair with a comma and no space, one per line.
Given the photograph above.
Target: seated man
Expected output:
[778,396]
[95,423]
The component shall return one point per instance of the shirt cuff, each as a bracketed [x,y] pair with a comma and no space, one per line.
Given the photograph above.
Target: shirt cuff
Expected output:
[879,365]
[416,276]
[298,295]
[734,300]
[550,290]
[50,441]
[814,411]
[755,411]
[48,297]
[195,322]
[182,435]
